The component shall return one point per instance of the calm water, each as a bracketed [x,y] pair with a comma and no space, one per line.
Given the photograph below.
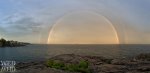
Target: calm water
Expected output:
[40,52]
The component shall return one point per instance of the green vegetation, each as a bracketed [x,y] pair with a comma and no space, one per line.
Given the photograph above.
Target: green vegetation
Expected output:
[82,66]
[4,43]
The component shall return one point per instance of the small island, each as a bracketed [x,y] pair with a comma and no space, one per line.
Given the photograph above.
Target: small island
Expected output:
[11,43]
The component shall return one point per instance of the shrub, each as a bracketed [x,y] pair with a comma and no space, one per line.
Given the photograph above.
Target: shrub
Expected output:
[55,64]
[83,64]
[82,67]
[49,63]
[58,65]
[72,67]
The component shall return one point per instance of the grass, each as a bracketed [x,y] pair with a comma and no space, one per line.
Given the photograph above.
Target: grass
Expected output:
[82,66]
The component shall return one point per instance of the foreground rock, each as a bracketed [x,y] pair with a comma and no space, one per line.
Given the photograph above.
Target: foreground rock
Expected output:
[96,64]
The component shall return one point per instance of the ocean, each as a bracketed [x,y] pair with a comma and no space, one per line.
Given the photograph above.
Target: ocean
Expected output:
[38,52]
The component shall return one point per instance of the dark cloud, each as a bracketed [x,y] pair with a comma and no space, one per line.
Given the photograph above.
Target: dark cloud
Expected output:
[23,25]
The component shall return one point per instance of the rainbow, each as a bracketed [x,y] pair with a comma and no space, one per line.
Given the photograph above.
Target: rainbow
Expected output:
[56,24]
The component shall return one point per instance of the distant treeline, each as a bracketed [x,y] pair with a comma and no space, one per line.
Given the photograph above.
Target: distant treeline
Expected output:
[5,43]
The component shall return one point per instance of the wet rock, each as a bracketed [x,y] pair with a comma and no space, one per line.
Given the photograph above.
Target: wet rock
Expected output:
[143,57]
[46,70]
[136,72]
[144,68]
[109,68]
[120,61]
[96,65]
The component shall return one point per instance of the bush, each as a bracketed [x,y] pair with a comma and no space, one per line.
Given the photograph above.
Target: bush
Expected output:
[49,63]
[82,67]
[55,64]
[58,65]
[72,67]
[83,64]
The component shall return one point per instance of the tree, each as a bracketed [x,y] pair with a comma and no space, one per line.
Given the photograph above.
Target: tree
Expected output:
[2,42]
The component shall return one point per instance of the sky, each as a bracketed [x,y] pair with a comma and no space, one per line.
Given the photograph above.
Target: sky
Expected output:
[83,27]
[34,21]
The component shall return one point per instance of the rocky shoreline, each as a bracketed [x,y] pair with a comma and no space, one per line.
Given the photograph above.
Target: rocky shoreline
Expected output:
[138,64]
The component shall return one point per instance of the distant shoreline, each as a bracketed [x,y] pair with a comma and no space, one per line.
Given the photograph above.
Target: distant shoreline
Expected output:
[11,43]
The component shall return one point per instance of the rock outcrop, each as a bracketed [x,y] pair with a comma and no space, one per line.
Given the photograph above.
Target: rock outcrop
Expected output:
[96,65]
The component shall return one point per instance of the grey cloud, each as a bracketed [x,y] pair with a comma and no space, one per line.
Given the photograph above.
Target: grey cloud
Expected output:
[24,25]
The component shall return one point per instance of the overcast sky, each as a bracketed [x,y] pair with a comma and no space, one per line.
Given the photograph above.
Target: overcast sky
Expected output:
[32,20]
